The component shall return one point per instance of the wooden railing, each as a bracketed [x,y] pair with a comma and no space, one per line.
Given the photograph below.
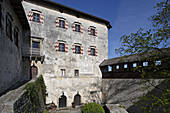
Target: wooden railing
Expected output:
[28,51]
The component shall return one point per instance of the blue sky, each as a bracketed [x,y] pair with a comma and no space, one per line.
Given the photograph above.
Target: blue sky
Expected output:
[125,16]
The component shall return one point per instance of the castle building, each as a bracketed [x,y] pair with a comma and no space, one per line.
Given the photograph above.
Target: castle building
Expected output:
[66,47]
[14,34]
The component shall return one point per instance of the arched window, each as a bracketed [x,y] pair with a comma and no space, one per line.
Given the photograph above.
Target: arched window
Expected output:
[61,23]
[78,27]
[33,71]
[77,100]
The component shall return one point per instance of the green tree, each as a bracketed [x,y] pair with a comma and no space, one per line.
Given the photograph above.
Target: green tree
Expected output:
[152,45]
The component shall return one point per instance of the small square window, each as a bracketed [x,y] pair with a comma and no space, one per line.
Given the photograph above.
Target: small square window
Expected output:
[109,68]
[93,31]
[63,72]
[77,49]
[93,51]
[125,66]
[158,62]
[35,44]
[62,47]
[36,17]
[117,66]
[145,64]
[134,64]
[76,72]
[61,23]
[77,27]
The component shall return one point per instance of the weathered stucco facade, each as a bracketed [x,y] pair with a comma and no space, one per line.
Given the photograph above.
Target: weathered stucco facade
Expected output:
[12,33]
[88,82]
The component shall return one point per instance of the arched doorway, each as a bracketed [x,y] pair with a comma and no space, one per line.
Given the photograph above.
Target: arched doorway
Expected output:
[62,101]
[77,100]
[33,71]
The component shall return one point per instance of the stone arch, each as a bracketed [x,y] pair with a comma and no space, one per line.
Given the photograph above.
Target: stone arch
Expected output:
[62,101]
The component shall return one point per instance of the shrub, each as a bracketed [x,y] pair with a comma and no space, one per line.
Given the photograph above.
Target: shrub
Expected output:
[92,108]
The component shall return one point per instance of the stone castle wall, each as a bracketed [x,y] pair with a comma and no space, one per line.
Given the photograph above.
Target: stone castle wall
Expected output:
[54,61]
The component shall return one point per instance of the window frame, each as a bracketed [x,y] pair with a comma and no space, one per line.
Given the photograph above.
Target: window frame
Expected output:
[93,31]
[77,51]
[63,72]
[61,47]
[145,64]
[134,65]
[117,67]
[35,17]
[76,72]
[36,42]
[62,23]
[93,51]
[77,27]
[110,68]
[125,66]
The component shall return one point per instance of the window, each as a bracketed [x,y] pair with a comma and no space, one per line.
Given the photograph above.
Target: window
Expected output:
[35,44]
[16,36]
[9,27]
[77,27]
[158,62]
[36,17]
[76,72]
[77,49]
[125,66]
[109,68]
[62,47]
[93,51]
[134,64]
[117,66]
[63,72]
[145,64]
[61,23]
[93,31]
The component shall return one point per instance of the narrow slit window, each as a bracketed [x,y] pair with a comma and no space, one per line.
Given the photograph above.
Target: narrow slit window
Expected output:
[63,72]
[76,72]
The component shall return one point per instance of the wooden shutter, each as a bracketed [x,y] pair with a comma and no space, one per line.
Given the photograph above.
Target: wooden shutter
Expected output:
[81,28]
[66,24]
[30,15]
[74,27]
[57,22]
[41,18]
[73,49]
[66,47]
[89,30]
[95,32]
[81,49]
[57,46]
[96,52]
[89,51]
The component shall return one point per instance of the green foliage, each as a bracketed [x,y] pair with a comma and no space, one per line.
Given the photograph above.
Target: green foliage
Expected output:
[147,44]
[36,93]
[92,108]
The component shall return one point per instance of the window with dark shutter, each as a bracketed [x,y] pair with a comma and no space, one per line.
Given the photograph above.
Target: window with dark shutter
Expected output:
[61,23]
[93,31]
[77,49]
[62,47]
[93,51]
[77,27]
